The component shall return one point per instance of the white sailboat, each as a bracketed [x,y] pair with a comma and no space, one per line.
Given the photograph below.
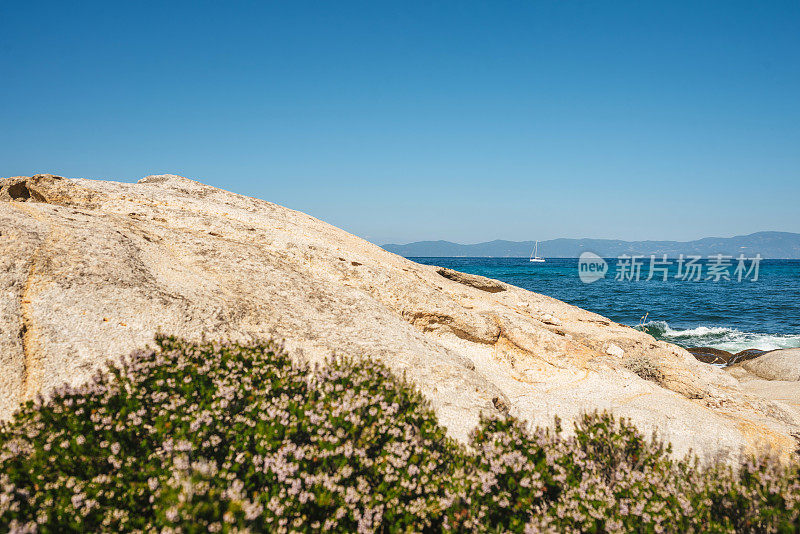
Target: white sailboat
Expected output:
[535,254]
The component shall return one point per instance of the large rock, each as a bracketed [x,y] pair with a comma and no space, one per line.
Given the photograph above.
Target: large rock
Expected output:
[774,375]
[92,269]
[781,364]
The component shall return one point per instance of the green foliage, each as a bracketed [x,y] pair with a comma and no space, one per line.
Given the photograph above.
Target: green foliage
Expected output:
[227,437]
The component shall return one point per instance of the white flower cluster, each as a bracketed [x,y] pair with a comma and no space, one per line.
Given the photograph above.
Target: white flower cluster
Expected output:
[232,438]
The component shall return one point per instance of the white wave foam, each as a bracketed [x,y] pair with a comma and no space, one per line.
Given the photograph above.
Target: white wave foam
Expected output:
[723,338]
[699,331]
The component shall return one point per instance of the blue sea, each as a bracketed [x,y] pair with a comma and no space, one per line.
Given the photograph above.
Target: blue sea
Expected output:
[713,312]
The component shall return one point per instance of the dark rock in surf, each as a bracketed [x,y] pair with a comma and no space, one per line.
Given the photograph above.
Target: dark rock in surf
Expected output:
[747,354]
[711,355]
[723,357]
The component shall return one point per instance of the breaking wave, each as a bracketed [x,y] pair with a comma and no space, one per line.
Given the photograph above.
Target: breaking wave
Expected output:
[729,339]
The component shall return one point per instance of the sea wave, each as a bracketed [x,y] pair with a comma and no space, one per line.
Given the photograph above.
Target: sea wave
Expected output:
[720,337]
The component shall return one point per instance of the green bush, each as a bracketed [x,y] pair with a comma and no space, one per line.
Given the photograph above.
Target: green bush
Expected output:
[226,437]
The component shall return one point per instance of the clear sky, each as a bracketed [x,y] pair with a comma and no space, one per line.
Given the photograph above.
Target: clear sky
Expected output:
[466,121]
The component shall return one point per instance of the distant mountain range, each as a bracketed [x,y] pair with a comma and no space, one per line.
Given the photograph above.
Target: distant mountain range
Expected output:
[784,245]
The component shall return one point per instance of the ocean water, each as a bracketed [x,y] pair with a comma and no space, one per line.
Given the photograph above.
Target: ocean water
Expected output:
[730,315]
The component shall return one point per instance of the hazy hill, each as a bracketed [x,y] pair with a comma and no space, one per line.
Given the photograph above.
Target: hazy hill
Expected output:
[768,244]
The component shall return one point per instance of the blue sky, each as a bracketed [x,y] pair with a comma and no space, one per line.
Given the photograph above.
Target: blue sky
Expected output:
[465,121]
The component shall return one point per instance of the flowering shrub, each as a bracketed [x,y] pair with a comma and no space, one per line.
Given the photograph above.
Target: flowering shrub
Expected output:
[227,437]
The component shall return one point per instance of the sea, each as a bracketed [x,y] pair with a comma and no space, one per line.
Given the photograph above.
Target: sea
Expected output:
[710,305]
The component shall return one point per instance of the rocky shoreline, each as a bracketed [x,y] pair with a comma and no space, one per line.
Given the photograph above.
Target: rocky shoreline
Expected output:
[93,270]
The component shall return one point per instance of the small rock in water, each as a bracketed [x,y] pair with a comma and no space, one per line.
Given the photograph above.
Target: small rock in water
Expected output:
[747,354]
[723,357]
[711,355]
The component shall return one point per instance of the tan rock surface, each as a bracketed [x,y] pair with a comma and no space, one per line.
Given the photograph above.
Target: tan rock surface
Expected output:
[92,269]
[781,364]
[774,375]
